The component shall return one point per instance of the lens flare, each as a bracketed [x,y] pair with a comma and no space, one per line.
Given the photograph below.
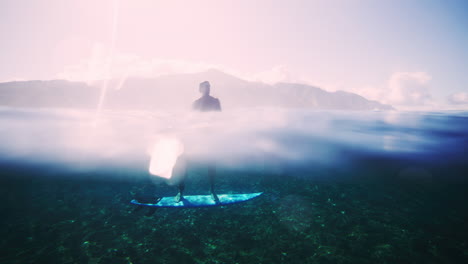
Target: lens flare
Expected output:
[164,155]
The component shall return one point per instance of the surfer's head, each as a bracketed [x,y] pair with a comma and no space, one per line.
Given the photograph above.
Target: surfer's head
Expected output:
[204,88]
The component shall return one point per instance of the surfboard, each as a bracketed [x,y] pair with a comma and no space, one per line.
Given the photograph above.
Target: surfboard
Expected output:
[198,200]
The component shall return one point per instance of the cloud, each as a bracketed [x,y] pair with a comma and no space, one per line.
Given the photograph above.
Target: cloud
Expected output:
[404,90]
[279,73]
[369,92]
[282,73]
[459,98]
[14,79]
[103,65]
[408,88]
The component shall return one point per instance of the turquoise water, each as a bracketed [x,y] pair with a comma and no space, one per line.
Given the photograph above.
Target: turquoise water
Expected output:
[338,188]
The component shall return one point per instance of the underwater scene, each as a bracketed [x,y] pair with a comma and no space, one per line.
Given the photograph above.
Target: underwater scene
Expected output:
[337,187]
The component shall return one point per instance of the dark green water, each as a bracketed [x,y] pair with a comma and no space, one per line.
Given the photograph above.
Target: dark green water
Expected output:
[378,207]
[360,220]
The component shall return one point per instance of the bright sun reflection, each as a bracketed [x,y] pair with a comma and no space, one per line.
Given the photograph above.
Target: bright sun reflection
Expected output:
[164,156]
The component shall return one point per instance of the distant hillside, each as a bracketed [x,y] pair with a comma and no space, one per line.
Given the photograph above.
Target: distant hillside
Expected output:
[178,91]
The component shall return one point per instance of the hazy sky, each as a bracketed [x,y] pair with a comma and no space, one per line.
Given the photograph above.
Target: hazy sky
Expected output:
[403,52]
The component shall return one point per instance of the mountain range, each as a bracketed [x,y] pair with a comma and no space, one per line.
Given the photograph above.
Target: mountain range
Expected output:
[177,91]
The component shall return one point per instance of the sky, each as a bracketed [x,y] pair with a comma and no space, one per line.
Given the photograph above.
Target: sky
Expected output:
[408,53]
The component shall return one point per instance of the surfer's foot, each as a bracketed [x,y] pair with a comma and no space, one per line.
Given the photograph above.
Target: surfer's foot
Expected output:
[215,197]
[178,197]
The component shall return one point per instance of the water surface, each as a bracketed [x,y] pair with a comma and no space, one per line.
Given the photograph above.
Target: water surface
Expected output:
[340,187]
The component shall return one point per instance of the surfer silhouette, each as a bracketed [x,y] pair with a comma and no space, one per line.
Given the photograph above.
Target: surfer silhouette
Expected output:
[206,103]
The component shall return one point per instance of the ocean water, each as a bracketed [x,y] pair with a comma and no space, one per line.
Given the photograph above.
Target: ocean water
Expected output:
[339,187]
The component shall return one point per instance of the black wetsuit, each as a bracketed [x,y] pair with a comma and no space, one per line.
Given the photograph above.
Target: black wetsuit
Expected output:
[207,103]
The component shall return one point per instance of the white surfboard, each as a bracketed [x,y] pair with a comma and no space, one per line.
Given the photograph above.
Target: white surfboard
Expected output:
[198,200]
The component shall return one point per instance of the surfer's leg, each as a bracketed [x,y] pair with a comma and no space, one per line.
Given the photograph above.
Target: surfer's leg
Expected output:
[181,185]
[212,175]
[179,195]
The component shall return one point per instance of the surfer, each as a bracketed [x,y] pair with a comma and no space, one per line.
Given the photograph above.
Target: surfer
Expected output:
[206,103]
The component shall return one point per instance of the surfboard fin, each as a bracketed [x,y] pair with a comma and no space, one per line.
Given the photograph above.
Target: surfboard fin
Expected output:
[148,199]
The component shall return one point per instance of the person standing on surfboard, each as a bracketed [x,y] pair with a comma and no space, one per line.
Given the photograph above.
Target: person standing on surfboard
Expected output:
[206,103]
